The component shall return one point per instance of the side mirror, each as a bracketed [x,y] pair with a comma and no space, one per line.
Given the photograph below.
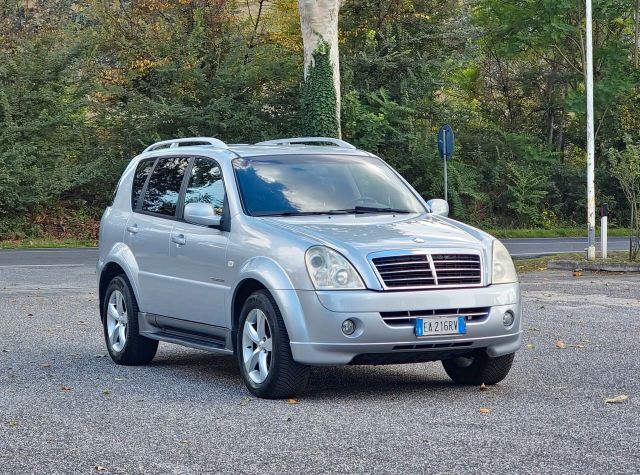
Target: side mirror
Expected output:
[438,207]
[203,214]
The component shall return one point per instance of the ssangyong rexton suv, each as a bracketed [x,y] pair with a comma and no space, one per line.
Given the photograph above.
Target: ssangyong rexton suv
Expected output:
[296,253]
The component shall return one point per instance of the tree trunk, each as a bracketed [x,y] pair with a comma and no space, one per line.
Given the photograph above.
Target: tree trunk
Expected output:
[321,89]
[636,36]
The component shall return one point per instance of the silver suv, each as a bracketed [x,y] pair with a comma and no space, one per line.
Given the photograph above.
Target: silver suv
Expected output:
[296,253]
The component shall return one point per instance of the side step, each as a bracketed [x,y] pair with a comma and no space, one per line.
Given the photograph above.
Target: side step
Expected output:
[156,327]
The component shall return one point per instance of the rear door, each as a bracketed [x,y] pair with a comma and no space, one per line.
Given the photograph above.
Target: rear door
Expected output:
[148,232]
[198,253]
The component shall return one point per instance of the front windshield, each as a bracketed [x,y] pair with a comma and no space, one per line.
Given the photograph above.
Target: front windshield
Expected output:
[321,184]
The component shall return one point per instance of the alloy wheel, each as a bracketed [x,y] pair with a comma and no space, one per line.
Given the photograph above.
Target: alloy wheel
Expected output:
[257,345]
[117,320]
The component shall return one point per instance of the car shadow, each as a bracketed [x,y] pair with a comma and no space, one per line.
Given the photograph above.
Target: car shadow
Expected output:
[333,383]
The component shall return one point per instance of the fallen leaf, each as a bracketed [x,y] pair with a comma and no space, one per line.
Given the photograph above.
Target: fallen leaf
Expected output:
[483,387]
[30,315]
[534,329]
[66,388]
[100,468]
[14,423]
[82,322]
[577,273]
[531,346]
[106,392]
[560,345]
[120,379]
[45,365]
[245,400]
[288,419]
[292,401]
[616,399]
[485,410]
[576,346]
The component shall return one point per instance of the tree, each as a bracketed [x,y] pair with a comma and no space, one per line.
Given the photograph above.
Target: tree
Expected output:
[321,88]
[625,167]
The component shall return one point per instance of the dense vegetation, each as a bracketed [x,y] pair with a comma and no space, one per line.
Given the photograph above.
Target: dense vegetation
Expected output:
[85,85]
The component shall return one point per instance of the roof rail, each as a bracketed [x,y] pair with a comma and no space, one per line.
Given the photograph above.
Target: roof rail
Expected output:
[303,140]
[188,141]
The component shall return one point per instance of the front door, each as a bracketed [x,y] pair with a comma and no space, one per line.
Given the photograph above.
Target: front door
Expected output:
[198,253]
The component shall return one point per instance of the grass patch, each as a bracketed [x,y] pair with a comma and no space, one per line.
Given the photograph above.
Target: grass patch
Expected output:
[554,232]
[540,263]
[47,243]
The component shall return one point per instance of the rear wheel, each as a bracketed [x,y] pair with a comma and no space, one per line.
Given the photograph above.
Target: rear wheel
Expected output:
[478,368]
[264,353]
[120,324]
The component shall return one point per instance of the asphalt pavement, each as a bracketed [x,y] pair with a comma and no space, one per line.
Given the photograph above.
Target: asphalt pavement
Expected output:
[65,407]
[519,248]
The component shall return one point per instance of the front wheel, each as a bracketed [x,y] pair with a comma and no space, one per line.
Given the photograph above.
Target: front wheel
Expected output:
[478,368]
[264,353]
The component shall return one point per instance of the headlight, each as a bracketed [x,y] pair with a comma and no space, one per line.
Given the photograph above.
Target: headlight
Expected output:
[330,271]
[504,271]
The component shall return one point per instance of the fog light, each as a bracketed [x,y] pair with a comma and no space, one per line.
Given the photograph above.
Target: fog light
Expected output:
[348,327]
[508,318]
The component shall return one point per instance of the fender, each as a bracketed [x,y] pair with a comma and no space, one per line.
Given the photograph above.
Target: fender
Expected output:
[121,254]
[270,274]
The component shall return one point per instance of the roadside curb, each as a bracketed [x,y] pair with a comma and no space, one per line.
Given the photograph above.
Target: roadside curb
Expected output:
[593,266]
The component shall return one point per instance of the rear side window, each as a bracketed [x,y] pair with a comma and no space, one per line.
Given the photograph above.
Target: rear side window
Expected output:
[205,184]
[164,185]
[142,172]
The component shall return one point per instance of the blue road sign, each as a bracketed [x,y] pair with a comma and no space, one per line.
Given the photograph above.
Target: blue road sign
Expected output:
[445,142]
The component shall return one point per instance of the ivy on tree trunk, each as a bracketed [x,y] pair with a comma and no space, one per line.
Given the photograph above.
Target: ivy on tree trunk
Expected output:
[319,96]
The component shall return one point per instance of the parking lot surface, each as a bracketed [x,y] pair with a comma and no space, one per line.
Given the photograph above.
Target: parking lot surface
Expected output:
[66,408]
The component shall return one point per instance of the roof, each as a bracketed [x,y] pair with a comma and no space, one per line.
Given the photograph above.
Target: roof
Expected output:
[219,150]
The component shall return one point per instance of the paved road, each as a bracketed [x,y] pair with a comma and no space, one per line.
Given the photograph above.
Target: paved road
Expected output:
[524,248]
[521,248]
[65,407]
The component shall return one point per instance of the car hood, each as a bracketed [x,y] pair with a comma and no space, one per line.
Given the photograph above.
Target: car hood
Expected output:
[370,233]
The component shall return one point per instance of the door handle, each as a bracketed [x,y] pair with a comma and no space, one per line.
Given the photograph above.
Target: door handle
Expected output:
[133,229]
[179,239]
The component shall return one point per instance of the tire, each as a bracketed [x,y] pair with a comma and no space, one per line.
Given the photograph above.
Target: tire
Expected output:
[135,349]
[478,368]
[284,377]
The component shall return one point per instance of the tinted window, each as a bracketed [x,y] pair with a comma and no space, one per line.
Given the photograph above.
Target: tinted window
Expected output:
[164,186]
[320,184]
[142,172]
[205,184]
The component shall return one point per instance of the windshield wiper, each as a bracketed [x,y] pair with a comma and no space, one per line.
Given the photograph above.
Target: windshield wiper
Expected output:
[371,209]
[300,213]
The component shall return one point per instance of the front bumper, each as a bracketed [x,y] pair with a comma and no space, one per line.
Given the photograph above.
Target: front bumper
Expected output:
[314,324]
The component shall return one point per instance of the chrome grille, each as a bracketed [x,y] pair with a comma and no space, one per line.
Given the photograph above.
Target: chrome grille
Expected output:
[417,270]
[408,318]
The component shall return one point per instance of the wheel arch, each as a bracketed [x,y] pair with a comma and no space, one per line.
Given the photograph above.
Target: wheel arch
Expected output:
[264,273]
[120,261]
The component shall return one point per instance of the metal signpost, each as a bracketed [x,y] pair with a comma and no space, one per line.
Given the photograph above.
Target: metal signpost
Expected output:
[445,147]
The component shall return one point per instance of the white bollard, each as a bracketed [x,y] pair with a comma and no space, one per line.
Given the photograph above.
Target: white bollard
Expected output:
[603,236]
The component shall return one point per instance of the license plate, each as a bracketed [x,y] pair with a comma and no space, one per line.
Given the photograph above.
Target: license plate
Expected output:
[440,326]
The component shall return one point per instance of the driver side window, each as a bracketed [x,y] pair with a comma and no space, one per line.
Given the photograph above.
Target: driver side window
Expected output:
[205,184]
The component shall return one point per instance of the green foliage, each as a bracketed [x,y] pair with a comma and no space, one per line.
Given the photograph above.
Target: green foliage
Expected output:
[84,86]
[319,96]
[625,167]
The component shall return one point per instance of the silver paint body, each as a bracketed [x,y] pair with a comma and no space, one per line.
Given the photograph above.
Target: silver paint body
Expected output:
[190,273]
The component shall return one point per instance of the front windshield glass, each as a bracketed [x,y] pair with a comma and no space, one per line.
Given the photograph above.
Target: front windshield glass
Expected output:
[321,184]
